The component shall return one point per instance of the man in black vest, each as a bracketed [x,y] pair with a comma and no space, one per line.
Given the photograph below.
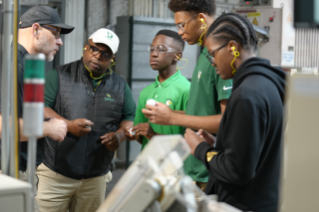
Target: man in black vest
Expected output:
[97,105]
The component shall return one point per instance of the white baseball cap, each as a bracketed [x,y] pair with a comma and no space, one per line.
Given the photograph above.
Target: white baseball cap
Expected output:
[107,37]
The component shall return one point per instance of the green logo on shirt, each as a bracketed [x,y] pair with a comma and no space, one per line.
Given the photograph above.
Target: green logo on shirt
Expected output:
[199,76]
[168,102]
[108,98]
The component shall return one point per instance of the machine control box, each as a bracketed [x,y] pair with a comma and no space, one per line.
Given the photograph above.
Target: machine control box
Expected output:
[15,195]
[255,3]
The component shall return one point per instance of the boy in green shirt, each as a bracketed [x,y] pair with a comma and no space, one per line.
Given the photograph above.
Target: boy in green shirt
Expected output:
[208,93]
[170,88]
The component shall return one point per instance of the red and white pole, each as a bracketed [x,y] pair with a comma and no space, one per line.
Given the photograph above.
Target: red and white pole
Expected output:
[33,106]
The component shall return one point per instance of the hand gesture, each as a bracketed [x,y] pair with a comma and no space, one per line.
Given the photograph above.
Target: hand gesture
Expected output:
[58,129]
[192,139]
[144,129]
[111,141]
[80,127]
[130,134]
[158,114]
[207,136]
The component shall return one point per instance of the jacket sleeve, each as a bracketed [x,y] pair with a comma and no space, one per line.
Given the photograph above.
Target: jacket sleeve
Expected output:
[241,139]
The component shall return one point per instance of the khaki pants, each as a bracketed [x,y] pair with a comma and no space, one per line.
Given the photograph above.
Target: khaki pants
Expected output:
[57,193]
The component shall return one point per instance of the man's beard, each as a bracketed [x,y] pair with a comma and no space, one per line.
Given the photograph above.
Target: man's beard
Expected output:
[43,46]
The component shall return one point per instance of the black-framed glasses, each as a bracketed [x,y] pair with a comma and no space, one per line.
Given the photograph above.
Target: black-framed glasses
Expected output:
[95,51]
[210,56]
[181,26]
[57,35]
[161,49]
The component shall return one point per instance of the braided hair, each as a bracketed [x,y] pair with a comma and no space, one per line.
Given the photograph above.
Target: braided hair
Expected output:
[193,6]
[176,37]
[232,26]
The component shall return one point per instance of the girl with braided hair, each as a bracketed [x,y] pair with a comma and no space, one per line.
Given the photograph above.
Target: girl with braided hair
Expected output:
[244,162]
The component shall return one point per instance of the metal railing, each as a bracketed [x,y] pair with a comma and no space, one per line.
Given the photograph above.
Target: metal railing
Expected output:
[306,48]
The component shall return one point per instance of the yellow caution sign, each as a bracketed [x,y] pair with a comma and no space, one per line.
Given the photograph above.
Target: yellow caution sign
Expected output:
[289,18]
[255,22]
[253,15]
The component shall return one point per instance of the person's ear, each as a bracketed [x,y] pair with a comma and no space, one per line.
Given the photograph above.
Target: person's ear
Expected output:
[178,56]
[35,29]
[202,18]
[85,47]
[232,47]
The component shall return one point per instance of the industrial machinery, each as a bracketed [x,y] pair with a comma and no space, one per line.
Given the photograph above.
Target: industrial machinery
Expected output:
[155,182]
[273,23]
[15,195]
[255,3]
[280,42]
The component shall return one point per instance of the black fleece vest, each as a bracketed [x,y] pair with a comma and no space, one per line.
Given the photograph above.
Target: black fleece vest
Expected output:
[85,157]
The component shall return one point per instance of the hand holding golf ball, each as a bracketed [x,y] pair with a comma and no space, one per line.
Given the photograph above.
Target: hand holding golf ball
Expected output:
[151,102]
[158,112]
[132,132]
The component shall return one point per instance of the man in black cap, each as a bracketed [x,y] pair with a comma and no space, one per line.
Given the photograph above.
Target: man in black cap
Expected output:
[40,29]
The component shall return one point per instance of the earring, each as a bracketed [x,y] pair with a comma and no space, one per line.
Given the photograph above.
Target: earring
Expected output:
[177,57]
[84,48]
[236,54]
[36,32]
[200,41]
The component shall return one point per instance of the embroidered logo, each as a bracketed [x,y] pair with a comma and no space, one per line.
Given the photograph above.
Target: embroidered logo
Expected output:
[227,88]
[199,75]
[108,98]
[169,102]
[109,35]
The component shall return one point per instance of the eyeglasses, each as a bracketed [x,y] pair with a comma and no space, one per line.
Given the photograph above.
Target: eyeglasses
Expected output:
[161,49]
[210,55]
[181,26]
[95,51]
[56,35]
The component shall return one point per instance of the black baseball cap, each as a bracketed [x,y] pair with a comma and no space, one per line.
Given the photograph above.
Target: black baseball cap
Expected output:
[44,15]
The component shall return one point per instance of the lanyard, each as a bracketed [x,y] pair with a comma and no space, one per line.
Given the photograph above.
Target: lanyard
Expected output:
[100,77]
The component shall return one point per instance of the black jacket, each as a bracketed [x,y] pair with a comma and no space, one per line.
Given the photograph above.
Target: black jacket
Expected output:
[245,172]
[85,157]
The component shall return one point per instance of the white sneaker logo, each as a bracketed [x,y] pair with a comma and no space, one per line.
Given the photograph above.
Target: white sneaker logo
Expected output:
[227,88]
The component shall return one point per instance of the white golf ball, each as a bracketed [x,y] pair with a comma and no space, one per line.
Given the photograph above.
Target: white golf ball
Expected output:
[151,102]
[132,132]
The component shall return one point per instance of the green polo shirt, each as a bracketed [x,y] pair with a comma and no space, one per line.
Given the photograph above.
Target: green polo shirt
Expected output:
[52,88]
[172,92]
[207,89]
